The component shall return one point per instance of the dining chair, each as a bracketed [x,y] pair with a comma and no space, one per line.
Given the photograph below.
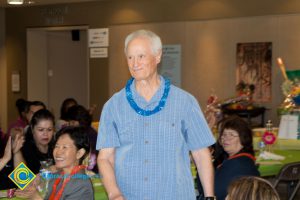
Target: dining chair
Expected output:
[290,174]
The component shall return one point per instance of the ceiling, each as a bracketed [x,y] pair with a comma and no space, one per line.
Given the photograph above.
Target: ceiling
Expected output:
[3,3]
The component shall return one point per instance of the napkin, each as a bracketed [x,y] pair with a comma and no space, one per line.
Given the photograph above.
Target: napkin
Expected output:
[270,156]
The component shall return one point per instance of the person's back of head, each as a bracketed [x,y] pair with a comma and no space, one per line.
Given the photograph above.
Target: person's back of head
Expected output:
[34,106]
[66,104]
[22,106]
[80,114]
[251,188]
[38,103]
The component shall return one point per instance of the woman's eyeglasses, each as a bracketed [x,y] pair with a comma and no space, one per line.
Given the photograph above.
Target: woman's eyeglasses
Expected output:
[229,136]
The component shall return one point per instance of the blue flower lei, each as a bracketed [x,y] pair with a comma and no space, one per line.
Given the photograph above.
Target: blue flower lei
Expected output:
[141,111]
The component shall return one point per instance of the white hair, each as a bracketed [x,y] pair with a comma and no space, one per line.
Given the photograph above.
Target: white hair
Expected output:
[154,39]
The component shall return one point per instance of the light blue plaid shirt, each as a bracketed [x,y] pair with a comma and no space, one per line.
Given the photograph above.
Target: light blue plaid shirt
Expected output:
[152,152]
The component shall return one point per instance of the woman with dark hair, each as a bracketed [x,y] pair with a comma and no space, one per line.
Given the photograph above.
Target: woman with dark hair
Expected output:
[79,116]
[71,183]
[66,104]
[38,140]
[235,155]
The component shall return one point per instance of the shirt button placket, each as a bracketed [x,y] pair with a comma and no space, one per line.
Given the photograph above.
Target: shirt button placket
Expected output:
[146,161]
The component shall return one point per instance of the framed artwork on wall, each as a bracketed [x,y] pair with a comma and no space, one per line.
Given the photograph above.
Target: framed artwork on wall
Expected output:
[254,69]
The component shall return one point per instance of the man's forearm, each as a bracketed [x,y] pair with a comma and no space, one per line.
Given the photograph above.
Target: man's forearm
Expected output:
[108,178]
[206,174]
[205,170]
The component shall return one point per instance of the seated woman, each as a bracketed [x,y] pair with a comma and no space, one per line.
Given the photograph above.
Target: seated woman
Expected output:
[251,188]
[11,148]
[235,155]
[79,116]
[71,148]
[66,104]
[23,108]
[38,141]
[6,162]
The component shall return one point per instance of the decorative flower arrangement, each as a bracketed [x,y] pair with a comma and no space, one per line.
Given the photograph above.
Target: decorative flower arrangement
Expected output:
[292,89]
[269,139]
[243,88]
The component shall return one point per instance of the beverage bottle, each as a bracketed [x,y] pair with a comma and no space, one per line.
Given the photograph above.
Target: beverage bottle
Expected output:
[44,177]
[262,147]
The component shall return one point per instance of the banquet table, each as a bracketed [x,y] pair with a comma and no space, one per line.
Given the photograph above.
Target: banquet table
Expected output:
[99,191]
[289,148]
[272,167]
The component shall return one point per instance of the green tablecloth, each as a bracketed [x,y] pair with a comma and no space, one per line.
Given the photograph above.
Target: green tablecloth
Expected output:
[290,149]
[99,190]
[280,144]
[271,167]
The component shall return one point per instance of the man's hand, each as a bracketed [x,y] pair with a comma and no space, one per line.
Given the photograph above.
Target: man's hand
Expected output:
[117,197]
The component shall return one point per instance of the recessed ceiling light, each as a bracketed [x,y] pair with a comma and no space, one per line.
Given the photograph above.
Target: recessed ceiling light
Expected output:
[15,2]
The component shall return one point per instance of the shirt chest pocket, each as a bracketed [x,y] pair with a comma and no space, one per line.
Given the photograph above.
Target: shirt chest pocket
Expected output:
[166,132]
[127,132]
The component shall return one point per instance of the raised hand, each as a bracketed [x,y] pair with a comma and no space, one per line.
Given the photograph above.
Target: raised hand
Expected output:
[18,142]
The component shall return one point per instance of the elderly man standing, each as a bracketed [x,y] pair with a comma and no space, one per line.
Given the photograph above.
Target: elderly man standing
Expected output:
[147,131]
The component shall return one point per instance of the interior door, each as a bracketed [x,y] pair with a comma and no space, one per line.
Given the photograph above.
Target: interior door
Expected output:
[67,69]
[57,66]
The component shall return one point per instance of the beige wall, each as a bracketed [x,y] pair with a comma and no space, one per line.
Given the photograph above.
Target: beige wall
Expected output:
[196,13]
[3,87]
[209,53]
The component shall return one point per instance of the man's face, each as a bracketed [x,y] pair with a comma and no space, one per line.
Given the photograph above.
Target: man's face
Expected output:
[141,60]
[32,110]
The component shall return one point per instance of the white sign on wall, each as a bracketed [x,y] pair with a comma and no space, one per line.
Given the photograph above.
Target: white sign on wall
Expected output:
[98,52]
[98,37]
[170,66]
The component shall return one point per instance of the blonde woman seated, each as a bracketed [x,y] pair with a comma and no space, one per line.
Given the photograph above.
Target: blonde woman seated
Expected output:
[251,188]
[71,182]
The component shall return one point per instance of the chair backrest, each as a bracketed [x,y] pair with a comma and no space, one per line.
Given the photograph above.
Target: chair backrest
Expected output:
[289,172]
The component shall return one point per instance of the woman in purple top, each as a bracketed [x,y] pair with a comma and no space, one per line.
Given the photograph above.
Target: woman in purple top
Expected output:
[23,107]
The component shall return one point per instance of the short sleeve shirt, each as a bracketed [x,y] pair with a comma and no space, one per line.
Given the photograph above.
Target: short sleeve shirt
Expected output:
[152,152]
